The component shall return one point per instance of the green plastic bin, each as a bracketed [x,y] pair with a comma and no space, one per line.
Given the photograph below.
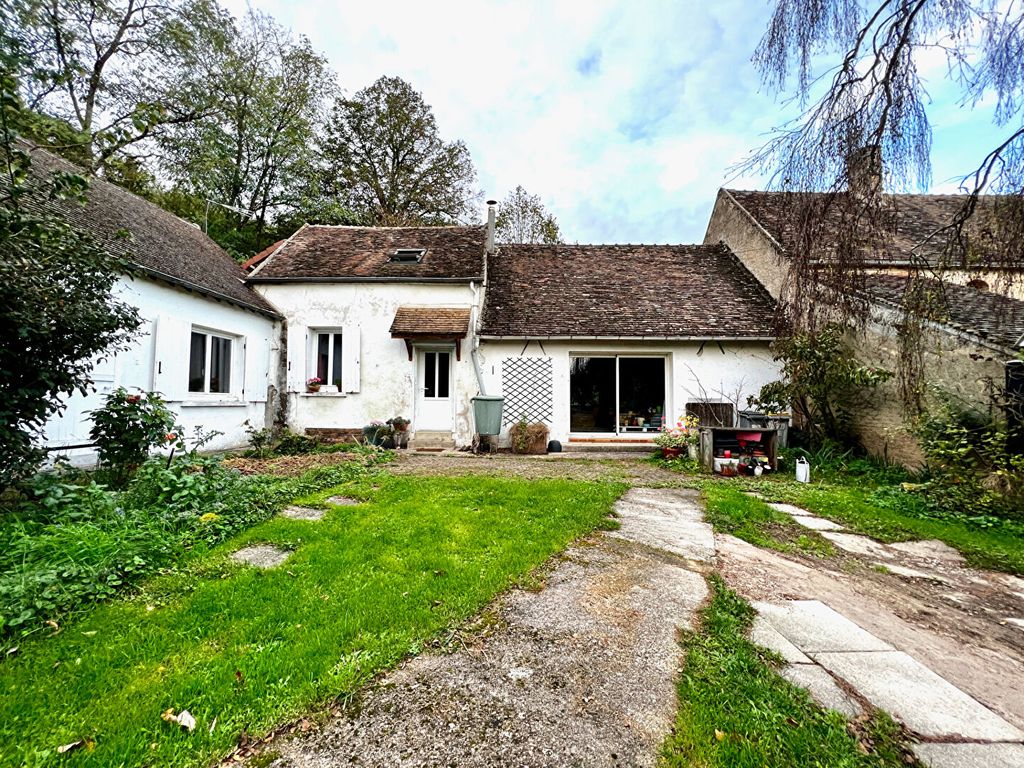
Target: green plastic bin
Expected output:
[487,413]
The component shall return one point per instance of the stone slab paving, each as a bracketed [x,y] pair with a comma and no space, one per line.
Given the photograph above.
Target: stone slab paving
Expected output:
[789,509]
[930,549]
[823,688]
[923,701]
[858,545]
[971,755]
[764,634]
[817,523]
[667,519]
[302,513]
[813,627]
[261,556]
[912,573]
[343,501]
[581,673]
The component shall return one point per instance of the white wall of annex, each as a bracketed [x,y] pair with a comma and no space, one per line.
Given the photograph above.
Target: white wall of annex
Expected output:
[158,360]
[694,371]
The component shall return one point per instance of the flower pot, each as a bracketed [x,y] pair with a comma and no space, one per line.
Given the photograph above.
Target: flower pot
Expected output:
[312,387]
[373,435]
[671,453]
[402,438]
[691,451]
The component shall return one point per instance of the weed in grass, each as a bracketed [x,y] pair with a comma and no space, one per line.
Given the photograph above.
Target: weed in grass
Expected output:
[736,711]
[365,586]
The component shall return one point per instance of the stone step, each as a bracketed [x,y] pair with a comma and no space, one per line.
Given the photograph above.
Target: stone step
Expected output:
[429,440]
[608,446]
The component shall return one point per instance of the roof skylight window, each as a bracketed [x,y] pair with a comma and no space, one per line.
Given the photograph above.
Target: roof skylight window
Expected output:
[407,255]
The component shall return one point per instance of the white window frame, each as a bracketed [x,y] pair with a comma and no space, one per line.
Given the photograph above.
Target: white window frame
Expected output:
[314,354]
[235,369]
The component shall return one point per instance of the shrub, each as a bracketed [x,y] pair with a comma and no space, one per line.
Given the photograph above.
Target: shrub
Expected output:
[127,427]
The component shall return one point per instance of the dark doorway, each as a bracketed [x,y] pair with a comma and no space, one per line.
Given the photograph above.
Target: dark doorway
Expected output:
[616,394]
[641,393]
[592,394]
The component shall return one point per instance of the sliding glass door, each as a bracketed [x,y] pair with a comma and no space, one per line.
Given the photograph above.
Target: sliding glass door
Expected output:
[616,394]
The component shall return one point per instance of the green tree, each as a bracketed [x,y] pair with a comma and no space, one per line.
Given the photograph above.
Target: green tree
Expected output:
[385,160]
[522,218]
[57,308]
[119,72]
[256,153]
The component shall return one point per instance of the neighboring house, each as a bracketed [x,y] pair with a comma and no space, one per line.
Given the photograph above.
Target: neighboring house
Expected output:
[207,341]
[973,329]
[598,342]
[250,264]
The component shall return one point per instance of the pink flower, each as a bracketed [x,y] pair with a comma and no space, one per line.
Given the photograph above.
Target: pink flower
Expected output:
[171,437]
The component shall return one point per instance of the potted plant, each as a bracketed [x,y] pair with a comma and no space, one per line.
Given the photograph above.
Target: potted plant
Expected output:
[400,429]
[684,436]
[313,384]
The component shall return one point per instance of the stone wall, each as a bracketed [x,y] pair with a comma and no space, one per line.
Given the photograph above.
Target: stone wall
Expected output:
[731,225]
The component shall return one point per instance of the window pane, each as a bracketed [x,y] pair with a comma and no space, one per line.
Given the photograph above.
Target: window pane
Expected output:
[336,362]
[197,363]
[323,356]
[443,369]
[592,394]
[429,374]
[220,364]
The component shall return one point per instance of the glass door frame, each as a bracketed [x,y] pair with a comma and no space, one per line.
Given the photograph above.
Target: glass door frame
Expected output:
[618,432]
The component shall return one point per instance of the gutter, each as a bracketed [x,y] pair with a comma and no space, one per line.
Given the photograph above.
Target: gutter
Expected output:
[474,352]
[532,337]
[411,279]
[177,281]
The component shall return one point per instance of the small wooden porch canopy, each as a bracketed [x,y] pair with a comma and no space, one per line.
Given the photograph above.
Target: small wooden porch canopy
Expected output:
[426,324]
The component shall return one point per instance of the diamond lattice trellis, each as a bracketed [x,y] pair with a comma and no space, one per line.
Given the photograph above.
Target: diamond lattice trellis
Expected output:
[527,384]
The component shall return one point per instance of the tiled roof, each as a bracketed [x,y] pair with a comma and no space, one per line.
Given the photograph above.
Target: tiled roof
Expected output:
[252,263]
[914,221]
[321,252]
[158,242]
[441,322]
[624,291]
[990,316]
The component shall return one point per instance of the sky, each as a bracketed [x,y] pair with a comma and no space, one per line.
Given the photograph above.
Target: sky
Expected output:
[625,117]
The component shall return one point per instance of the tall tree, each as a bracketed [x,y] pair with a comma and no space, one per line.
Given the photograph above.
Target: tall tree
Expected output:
[872,108]
[118,71]
[57,308]
[256,152]
[384,158]
[522,218]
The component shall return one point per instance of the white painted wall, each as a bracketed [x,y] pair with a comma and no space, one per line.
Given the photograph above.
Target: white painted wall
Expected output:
[158,360]
[383,385]
[716,374]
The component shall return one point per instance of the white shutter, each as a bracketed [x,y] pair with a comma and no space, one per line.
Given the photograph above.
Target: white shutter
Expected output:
[173,340]
[298,352]
[256,360]
[350,359]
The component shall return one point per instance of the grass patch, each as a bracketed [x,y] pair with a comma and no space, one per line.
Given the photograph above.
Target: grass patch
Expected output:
[736,711]
[730,510]
[363,587]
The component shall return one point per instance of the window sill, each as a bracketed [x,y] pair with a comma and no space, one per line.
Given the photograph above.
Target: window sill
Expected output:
[213,403]
[322,394]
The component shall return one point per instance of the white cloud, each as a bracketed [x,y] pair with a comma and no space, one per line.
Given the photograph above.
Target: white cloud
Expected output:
[623,116]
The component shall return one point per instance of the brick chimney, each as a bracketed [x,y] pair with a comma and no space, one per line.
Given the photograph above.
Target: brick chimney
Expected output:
[864,172]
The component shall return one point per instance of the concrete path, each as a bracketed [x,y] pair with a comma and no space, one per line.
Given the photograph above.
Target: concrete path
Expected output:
[582,672]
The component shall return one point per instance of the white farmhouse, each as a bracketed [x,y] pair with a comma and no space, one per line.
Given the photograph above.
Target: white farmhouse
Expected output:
[208,342]
[601,343]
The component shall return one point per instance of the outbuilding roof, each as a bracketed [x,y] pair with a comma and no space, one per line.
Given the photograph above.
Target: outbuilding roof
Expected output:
[915,222]
[159,243]
[431,322]
[991,317]
[624,291]
[319,252]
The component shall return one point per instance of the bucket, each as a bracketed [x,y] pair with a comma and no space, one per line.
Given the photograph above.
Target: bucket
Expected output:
[803,470]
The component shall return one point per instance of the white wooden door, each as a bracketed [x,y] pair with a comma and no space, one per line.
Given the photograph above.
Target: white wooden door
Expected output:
[433,390]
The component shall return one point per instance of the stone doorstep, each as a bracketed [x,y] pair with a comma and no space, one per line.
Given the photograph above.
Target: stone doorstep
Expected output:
[927,704]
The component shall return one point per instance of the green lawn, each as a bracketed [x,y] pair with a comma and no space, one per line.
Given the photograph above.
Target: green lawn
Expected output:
[735,711]
[247,649]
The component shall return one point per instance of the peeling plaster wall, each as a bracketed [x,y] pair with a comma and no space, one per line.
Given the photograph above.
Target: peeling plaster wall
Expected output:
[158,360]
[386,376]
[725,374]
